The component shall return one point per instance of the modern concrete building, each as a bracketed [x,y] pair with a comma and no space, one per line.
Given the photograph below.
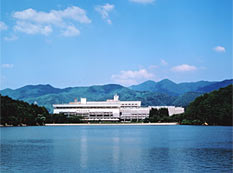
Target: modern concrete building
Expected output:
[109,110]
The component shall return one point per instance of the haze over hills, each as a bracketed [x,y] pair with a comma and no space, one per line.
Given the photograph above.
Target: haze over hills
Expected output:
[164,92]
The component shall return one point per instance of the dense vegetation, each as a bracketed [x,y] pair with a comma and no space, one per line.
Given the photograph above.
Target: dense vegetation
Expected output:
[160,93]
[214,108]
[158,115]
[14,112]
[20,113]
[62,118]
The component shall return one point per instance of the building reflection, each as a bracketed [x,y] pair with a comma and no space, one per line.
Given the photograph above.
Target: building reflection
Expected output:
[83,150]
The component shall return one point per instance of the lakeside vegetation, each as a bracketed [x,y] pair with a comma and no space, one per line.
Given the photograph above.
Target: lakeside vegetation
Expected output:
[15,112]
[20,113]
[214,108]
[157,115]
[62,118]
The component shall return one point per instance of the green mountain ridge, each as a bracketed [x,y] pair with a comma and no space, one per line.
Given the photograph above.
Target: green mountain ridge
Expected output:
[186,98]
[95,93]
[215,86]
[167,86]
[166,93]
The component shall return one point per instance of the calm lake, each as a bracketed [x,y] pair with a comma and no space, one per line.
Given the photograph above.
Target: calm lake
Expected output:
[116,149]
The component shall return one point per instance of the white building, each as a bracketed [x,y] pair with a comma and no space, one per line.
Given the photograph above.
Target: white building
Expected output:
[109,110]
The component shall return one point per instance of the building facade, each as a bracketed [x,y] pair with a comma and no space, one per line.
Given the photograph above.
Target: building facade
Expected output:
[109,110]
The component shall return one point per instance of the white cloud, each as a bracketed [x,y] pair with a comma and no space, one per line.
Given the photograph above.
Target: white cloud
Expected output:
[104,11]
[219,49]
[7,65]
[31,21]
[184,68]
[3,26]
[11,38]
[54,16]
[132,77]
[30,28]
[163,62]
[71,31]
[143,1]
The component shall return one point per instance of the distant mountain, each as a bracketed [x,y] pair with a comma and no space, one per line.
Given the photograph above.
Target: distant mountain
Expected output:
[30,91]
[215,86]
[169,87]
[165,86]
[186,98]
[46,95]
[164,92]
[145,86]
[194,86]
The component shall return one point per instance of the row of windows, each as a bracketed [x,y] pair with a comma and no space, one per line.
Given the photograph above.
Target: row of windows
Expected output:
[93,118]
[134,114]
[129,104]
[103,107]
[110,107]
[99,115]
[93,115]
[129,116]
[104,114]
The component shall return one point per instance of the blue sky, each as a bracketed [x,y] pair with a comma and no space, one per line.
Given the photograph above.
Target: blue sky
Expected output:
[86,42]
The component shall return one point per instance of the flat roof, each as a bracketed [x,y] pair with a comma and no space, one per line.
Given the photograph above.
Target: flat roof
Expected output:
[96,103]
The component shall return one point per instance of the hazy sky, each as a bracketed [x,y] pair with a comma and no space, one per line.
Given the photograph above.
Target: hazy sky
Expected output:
[85,42]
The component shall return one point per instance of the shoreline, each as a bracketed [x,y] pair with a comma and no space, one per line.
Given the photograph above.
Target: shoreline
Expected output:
[102,124]
[112,124]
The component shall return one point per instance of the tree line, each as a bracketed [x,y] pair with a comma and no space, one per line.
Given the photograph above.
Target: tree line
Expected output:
[214,108]
[158,115]
[15,112]
[20,113]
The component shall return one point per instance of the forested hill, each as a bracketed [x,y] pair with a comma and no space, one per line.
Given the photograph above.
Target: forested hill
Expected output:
[14,112]
[164,92]
[169,87]
[32,94]
[214,108]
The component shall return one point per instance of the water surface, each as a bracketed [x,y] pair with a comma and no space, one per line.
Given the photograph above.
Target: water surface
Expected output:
[116,149]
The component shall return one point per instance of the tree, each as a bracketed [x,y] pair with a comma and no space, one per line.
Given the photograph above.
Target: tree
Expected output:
[214,108]
[157,115]
[15,112]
